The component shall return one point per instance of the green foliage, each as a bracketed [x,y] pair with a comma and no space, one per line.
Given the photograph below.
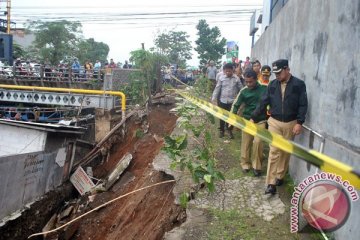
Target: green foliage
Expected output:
[210,45]
[200,161]
[89,49]
[184,198]
[230,225]
[135,90]
[202,87]
[175,46]
[61,40]
[139,133]
[18,51]
[56,40]
[149,63]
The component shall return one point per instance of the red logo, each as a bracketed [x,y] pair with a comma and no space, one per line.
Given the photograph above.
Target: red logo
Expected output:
[326,206]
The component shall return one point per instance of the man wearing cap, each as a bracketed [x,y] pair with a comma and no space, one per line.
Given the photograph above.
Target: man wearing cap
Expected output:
[265,74]
[288,103]
[250,96]
[211,72]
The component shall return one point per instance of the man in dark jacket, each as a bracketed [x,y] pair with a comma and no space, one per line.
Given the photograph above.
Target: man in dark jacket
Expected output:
[288,103]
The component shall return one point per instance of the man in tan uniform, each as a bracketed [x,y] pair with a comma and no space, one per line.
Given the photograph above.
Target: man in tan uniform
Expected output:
[288,103]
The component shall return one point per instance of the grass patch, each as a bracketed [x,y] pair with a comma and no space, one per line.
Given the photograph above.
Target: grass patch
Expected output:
[234,225]
[139,133]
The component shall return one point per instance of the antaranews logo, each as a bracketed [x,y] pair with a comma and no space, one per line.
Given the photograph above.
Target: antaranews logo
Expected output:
[324,200]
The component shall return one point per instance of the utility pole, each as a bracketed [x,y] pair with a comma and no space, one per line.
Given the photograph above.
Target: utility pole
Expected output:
[8,5]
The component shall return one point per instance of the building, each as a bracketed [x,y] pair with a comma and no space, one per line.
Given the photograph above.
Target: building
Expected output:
[34,159]
[321,41]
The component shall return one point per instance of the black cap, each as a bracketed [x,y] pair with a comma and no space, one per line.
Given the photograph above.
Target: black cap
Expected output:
[266,70]
[279,65]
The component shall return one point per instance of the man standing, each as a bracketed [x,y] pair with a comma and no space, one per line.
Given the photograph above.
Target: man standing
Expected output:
[250,96]
[288,103]
[225,92]
[265,75]
[211,72]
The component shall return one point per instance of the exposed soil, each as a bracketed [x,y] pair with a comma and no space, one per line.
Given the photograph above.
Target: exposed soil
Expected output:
[144,215]
[147,214]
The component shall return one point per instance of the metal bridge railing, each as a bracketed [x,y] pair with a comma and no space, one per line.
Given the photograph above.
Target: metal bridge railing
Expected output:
[70,90]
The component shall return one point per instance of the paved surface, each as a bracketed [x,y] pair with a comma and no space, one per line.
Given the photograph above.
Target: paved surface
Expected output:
[246,193]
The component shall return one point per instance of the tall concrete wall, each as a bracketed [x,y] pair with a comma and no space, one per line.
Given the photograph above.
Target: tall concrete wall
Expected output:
[321,39]
[18,140]
[26,177]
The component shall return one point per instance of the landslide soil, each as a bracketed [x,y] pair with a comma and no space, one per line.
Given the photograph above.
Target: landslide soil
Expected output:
[144,215]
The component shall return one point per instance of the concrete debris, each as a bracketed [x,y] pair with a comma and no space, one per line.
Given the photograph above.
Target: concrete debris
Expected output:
[124,180]
[145,126]
[167,99]
[66,213]
[50,225]
[119,169]
[159,95]
[157,138]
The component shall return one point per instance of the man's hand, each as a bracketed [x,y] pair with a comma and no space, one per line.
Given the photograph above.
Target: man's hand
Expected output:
[214,102]
[251,120]
[297,129]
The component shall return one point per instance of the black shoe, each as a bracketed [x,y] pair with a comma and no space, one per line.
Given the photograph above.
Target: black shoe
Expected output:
[221,134]
[257,173]
[270,189]
[231,134]
[245,170]
[279,182]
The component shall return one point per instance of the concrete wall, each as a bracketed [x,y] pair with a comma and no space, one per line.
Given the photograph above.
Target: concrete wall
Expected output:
[18,140]
[26,177]
[321,39]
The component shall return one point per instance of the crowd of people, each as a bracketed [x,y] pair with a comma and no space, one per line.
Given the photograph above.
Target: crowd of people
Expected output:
[279,105]
[65,69]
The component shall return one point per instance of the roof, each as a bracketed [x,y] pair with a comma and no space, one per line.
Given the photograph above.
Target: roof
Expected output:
[48,127]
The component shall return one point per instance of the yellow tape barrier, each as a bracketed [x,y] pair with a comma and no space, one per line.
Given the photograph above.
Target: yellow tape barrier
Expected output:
[325,163]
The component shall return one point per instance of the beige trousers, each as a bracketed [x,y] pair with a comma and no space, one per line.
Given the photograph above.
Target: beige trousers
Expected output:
[247,141]
[278,162]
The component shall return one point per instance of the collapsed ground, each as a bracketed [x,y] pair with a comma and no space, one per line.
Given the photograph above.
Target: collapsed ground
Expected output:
[151,213]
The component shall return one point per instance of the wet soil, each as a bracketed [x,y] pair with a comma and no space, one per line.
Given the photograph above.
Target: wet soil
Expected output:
[144,215]
[147,214]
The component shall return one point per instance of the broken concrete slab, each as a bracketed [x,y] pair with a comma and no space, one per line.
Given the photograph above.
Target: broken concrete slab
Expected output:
[124,180]
[119,169]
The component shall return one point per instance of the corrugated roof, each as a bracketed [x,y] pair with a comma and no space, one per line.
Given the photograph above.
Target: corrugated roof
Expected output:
[49,127]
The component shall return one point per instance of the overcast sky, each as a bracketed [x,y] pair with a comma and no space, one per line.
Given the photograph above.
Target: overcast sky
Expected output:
[124,25]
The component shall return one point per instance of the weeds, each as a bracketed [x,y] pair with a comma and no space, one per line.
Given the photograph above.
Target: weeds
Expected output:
[200,161]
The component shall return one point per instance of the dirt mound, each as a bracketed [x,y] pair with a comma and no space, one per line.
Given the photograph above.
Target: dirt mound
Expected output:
[147,214]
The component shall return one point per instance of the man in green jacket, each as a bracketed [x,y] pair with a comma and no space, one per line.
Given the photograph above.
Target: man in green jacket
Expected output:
[250,97]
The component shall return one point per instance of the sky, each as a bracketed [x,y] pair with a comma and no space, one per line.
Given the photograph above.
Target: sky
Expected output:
[125,25]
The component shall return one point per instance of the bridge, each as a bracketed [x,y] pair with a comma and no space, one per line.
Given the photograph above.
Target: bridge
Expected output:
[66,90]
[62,96]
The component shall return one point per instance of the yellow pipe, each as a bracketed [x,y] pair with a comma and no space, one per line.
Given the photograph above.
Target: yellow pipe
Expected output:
[71,90]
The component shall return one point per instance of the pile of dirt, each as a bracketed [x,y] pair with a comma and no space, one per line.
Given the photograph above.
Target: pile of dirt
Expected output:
[147,214]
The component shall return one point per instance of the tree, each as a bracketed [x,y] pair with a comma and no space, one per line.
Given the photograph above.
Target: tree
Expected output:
[56,40]
[150,64]
[175,46]
[18,51]
[89,49]
[210,45]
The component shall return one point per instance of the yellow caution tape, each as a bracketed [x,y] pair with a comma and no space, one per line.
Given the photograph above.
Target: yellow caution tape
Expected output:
[325,163]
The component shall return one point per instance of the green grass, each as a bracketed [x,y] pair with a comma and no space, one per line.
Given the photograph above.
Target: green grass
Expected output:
[235,225]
